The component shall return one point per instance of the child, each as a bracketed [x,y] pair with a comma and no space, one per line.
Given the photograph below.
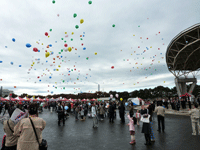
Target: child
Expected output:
[131,129]
[138,116]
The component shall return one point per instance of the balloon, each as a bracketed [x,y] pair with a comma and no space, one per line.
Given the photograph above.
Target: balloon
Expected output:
[95,53]
[84,48]
[113,25]
[13,39]
[20,65]
[75,15]
[11,63]
[28,45]
[53,2]
[126,104]
[66,107]
[89,104]
[121,99]
[81,21]
[50,45]
[72,33]
[65,45]
[90,2]
[69,49]
[46,34]
[47,54]
[35,49]
[76,26]
[50,30]
[15,87]
[112,67]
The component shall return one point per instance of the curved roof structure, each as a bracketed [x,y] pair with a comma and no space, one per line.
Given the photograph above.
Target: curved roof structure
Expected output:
[183,52]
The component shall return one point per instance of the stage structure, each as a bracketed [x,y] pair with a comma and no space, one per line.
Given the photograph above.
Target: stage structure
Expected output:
[183,58]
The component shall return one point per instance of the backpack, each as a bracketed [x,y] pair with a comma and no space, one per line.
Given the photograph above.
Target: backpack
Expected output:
[135,120]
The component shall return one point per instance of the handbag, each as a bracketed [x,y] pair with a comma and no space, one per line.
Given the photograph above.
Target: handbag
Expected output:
[43,145]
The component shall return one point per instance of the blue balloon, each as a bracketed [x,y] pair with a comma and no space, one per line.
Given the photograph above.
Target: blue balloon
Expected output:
[126,104]
[1,61]
[5,46]
[20,65]
[28,45]
[51,92]
[66,107]
[50,45]
[89,104]
[46,60]
[83,35]
[13,39]
[11,63]
[38,50]
[79,56]
[83,32]
[84,48]
[51,53]
[60,56]
[40,80]
[50,77]
[55,41]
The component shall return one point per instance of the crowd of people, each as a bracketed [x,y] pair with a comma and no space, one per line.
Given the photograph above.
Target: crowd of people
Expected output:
[18,132]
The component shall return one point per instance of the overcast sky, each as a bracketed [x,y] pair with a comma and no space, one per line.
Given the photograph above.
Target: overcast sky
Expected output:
[136,46]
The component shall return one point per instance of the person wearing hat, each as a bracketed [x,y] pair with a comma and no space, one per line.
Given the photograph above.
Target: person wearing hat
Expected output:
[27,139]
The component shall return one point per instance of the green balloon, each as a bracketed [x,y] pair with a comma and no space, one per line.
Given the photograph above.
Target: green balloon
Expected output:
[75,15]
[71,39]
[65,41]
[61,38]
[53,2]
[81,39]
[113,25]
[76,26]
[59,53]
[50,30]
[63,87]
[61,50]
[90,2]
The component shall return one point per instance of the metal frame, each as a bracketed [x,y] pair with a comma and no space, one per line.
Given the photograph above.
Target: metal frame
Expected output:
[183,52]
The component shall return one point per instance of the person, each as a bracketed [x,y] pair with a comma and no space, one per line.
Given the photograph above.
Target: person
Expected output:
[166,103]
[51,106]
[131,129]
[177,105]
[94,115]
[61,114]
[146,124]
[131,112]
[24,129]
[194,114]
[111,112]
[160,115]
[122,112]
[138,116]
[102,111]
[11,140]
[82,114]
[189,103]
[76,112]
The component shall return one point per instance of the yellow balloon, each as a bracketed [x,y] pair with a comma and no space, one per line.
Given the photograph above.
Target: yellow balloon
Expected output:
[133,34]
[57,69]
[81,21]
[69,49]
[121,99]
[33,63]
[72,33]
[42,43]
[151,47]
[95,53]
[65,32]
[164,81]
[47,54]
[58,65]
[48,36]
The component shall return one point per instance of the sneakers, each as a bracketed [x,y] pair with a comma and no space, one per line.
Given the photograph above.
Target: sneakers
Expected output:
[132,142]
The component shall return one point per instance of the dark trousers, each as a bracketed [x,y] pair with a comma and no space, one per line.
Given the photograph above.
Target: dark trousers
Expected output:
[61,117]
[76,115]
[111,116]
[189,104]
[162,120]
[147,138]
[11,148]
[122,118]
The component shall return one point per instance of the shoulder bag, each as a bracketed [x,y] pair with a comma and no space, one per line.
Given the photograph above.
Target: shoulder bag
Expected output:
[43,145]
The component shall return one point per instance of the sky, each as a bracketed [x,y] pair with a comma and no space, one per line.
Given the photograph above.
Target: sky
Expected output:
[121,44]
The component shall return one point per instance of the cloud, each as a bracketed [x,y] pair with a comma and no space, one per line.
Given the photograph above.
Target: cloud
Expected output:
[115,46]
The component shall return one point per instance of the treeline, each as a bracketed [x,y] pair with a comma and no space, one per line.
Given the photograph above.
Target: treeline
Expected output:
[156,92]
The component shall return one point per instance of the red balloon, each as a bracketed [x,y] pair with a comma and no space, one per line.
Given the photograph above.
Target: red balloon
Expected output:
[35,49]
[45,50]
[38,77]
[65,45]
[82,44]
[112,67]
[46,33]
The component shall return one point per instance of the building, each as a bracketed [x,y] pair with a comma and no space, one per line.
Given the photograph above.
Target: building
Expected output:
[6,92]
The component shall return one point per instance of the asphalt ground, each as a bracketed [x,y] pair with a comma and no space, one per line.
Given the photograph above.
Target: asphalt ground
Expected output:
[80,135]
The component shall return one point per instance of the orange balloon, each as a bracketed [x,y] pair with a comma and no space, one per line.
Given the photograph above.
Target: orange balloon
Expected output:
[75,48]
[57,56]
[54,62]
[15,87]
[53,58]
[47,46]
[80,35]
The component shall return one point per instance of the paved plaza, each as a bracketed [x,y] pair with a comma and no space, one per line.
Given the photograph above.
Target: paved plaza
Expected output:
[79,135]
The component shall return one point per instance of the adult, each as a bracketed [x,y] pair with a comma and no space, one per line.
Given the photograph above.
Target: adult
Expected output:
[24,129]
[177,105]
[11,140]
[111,112]
[166,103]
[61,115]
[189,103]
[146,128]
[131,112]
[195,118]
[122,112]
[102,111]
[161,117]
[94,115]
